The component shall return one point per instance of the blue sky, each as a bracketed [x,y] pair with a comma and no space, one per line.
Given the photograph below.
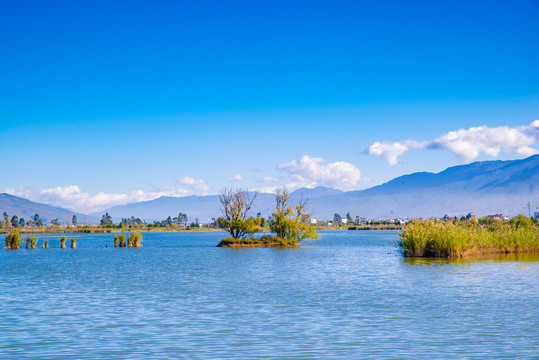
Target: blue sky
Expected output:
[105,104]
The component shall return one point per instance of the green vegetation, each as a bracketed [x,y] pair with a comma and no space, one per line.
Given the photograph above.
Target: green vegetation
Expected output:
[119,241]
[73,243]
[63,242]
[134,240]
[463,238]
[31,242]
[13,241]
[290,224]
[266,241]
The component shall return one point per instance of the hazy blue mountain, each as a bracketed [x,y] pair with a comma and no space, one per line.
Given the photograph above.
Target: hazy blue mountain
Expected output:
[14,205]
[483,188]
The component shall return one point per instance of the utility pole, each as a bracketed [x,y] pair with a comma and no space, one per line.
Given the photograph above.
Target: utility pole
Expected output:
[529,205]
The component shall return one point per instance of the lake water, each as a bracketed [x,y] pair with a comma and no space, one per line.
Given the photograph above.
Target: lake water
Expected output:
[349,295]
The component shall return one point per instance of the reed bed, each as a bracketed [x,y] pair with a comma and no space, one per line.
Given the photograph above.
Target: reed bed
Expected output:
[134,240]
[13,241]
[431,238]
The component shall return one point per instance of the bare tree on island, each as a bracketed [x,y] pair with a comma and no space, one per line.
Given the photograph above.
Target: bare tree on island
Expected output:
[235,207]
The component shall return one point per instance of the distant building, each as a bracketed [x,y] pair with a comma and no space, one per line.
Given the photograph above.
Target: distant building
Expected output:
[536,215]
[344,220]
[361,221]
[496,216]
[313,221]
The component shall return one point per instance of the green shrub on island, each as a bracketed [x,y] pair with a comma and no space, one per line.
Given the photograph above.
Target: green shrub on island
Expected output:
[13,241]
[291,223]
[134,240]
[432,238]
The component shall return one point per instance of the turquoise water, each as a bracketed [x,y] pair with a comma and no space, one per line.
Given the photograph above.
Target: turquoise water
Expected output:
[348,295]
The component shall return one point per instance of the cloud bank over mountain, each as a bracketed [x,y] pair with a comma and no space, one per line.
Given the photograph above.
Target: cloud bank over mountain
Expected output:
[72,197]
[466,144]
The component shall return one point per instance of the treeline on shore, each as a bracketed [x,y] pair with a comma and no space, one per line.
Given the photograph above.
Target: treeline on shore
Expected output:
[437,238]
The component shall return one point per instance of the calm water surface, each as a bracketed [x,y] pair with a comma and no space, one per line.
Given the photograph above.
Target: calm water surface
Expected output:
[347,295]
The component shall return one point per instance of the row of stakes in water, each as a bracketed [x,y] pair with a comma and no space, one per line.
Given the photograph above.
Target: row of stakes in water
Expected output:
[13,241]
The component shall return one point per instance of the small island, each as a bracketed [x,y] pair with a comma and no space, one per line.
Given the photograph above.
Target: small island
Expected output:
[289,224]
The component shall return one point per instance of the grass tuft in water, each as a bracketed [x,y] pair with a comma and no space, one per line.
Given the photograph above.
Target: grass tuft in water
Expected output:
[13,241]
[63,242]
[121,240]
[134,240]
[73,243]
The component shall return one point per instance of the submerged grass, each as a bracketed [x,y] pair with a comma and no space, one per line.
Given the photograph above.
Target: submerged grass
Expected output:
[431,238]
[265,241]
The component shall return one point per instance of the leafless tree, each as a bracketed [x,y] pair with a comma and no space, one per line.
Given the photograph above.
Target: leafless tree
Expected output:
[235,207]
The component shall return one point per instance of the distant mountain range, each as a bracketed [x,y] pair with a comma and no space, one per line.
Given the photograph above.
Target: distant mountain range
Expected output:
[483,188]
[14,205]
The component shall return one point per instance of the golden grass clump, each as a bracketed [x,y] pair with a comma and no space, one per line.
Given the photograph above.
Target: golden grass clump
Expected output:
[63,242]
[134,240]
[434,238]
[73,243]
[120,241]
[13,241]
[31,242]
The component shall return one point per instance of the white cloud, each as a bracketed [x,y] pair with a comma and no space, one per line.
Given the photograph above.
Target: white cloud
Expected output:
[234,178]
[74,198]
[195,185]
[310,172]
[269,180]
[389,151]
[268,189]
[468,144]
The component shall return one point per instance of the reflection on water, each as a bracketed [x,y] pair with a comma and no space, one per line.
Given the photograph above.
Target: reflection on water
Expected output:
[433,261]
[348,295]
